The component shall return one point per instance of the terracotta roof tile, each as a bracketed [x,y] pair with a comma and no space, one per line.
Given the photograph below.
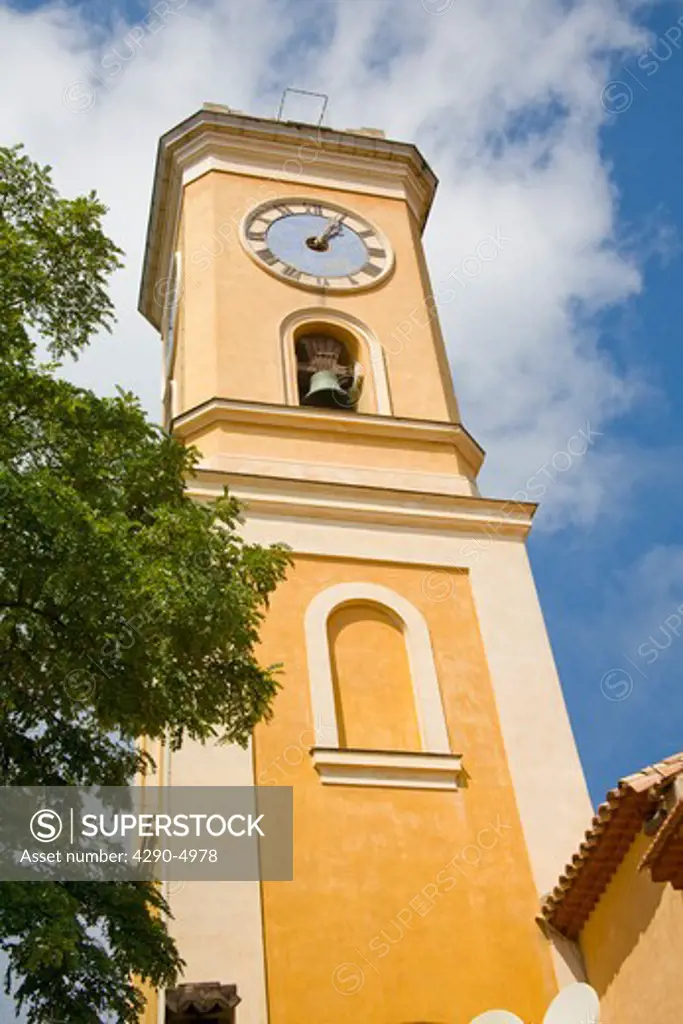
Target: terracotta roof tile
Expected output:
[616,823]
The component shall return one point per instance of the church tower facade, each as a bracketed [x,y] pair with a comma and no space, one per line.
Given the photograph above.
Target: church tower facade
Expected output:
[420,721]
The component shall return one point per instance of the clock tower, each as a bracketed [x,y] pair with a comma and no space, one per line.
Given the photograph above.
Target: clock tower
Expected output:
[420,721]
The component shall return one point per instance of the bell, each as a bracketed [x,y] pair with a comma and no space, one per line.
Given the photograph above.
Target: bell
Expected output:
[325,392]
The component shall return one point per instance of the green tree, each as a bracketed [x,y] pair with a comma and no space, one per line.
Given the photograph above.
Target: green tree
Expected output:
[126,609]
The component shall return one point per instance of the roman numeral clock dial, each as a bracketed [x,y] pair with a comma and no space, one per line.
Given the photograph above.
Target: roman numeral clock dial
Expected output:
[320,246]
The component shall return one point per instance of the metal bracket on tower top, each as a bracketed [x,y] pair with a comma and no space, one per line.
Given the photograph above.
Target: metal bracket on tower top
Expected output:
[304,92]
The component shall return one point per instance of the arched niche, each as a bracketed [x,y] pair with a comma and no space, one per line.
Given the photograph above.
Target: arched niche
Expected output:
[361,345]
[432,765]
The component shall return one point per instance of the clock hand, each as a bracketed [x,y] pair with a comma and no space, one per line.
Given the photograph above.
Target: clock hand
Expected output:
[333,228]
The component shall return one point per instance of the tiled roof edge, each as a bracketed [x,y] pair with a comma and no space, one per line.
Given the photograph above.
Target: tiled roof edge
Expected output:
[647,781]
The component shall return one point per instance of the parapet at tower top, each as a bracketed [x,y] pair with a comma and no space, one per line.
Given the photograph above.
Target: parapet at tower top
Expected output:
[221,108]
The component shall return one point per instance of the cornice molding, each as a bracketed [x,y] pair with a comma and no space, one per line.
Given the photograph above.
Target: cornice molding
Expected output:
[221,140]
[296,417]
[382,507]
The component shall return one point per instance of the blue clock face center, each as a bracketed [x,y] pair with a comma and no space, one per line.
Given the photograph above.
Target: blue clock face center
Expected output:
[292,239]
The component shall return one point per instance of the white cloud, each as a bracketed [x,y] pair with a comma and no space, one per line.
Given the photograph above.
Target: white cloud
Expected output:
[640,627]
[504,99]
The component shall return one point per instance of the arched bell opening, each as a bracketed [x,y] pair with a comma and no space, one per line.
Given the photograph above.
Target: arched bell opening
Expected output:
[329,374]
[366,385]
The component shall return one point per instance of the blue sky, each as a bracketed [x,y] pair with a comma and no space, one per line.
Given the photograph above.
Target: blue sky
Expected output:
[559,124]
[609,590]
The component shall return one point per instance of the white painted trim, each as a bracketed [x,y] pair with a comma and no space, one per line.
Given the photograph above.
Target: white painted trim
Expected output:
[204,913]
[386,768]
[173,384]
[174,282]
[373,365]
[428,704]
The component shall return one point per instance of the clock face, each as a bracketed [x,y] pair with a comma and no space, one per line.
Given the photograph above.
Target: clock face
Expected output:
[317,245]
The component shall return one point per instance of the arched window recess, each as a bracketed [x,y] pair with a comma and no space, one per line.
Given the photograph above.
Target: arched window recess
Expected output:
[433,766]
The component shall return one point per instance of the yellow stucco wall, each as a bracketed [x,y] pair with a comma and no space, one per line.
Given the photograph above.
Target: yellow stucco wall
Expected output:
[233,310]
[150,1014]
[330,447]
[633,946]
[406,904]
